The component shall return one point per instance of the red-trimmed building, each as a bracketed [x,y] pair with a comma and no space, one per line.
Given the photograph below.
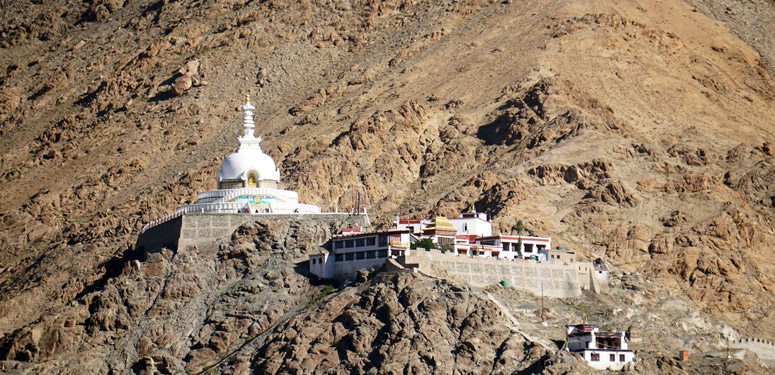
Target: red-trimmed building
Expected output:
[507,246]
[470,234]
[348,252]
[473,236]
[601,350]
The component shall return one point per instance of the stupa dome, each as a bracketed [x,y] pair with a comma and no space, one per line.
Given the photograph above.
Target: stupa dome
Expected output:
[249,166]
[238,165]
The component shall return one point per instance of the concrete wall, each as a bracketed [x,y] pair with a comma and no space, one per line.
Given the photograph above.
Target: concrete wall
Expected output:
[348,269]
[166,234]
[326,266]
[604,359]
[201,228]
[205,227]
[559,280]
[763,348]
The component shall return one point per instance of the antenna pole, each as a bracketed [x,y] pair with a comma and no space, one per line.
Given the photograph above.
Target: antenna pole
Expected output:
[542,301]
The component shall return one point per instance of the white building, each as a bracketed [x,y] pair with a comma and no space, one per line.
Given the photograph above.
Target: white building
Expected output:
[249,181]
[507,246]
[601,350]
[473,236]
[469,223]
[347,253]
[467,235]
[472,223]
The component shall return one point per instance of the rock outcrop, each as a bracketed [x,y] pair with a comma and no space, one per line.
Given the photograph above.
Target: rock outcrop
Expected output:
[640,133]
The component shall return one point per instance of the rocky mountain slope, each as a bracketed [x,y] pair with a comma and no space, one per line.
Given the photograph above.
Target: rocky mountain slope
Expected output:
[244,305]
[635,131]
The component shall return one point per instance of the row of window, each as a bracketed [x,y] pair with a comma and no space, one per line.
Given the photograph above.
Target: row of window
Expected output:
[595,357]
[358,242]
[360,255]
[508,246]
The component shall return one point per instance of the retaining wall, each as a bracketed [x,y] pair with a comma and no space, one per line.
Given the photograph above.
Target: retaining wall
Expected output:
[763,348]
[164,235]
[198,228]
[559,279]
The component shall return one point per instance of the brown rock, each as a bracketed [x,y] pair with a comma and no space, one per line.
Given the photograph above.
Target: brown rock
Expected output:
[182,84]
[191,68]
[198,359]
[145,346]
[78,45]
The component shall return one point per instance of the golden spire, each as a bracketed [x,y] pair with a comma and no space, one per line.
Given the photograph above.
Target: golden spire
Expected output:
[247,98]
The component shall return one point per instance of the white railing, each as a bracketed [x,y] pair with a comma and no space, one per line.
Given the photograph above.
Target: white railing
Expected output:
[286,208]
[233,207]
[160,221]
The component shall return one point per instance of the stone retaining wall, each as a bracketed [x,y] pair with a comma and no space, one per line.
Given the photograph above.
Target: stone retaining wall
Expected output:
[199,228]
[164,235]
[559,279]
[763,348]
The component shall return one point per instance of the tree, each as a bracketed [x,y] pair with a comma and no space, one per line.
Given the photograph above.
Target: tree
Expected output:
[425,243]
[520,229]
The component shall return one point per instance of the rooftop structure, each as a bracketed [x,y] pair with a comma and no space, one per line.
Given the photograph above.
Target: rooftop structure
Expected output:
[601,350]
[474,223]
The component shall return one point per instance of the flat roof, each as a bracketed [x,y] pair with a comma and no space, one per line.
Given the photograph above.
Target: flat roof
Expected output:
[367,234]
[469,218]
[603,350]
[583,327]
[516,237]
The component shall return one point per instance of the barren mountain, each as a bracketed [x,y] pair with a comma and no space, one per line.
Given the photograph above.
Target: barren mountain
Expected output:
[635,131]
[240,306]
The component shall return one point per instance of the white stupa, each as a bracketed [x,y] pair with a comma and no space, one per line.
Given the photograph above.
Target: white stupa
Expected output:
[249,181]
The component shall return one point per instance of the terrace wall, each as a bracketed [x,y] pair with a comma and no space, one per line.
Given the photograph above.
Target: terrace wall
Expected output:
[559,279]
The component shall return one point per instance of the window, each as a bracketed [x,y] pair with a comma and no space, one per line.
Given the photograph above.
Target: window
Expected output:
[371,254]
[612,358]
[360,255]
[595,357]
[360,242]
[383,240]
[348,243]
[349,256]
[370,241]
[314,261]
[621,357]
[382,254]
[339,244]
[339,257]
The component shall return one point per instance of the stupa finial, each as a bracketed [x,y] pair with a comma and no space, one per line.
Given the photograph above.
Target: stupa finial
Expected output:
[247,98]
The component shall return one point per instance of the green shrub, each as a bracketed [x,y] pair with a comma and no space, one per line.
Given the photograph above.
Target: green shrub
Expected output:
[425,243]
